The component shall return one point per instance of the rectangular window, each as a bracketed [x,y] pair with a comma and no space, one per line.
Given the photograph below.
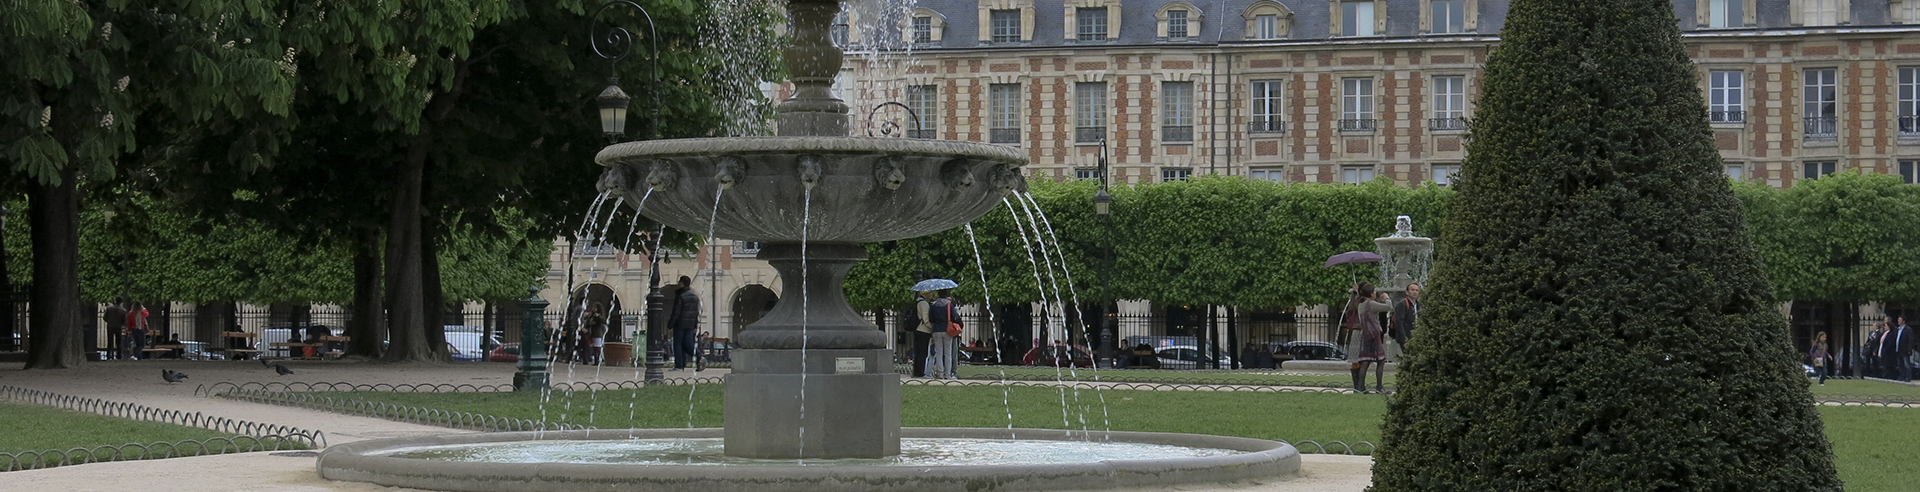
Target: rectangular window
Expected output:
[1443,174]
[1006,26]
[1176,122]
[1356,18]
[1735,171]
[1171,174]
[1273,174]
[1910,172]
[1005,107]
[1817,169]
[1725,13]
[1086,173]
[840,30]
[1266,27]
[923,29]
[1093,24]
[1176,24]
[1356,107]
[1449,102]
[1726,96]
[1090,111]
[1909,89]
[1266,115]
[1820,12]
[1820,111]
[1356,174]
[920,99]
[746,248]
[1908,12]
[1449,16]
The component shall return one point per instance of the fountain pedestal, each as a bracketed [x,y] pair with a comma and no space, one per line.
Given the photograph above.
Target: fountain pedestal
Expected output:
[813,378]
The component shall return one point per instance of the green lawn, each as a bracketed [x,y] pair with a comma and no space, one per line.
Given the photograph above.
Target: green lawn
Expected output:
[38,428]
[1867,441]
[1861,388]
[1263,376]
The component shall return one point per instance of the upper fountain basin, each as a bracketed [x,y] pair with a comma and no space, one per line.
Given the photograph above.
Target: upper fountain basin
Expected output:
[865,189]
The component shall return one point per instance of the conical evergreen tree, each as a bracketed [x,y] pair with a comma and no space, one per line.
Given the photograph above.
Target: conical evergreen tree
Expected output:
[1598,320]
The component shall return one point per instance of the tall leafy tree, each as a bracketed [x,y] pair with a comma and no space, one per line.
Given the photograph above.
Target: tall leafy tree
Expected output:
[78,75]
[1599,317]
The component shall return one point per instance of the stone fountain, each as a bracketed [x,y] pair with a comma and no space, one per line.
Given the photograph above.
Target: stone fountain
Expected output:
[812,402]
[1404,257]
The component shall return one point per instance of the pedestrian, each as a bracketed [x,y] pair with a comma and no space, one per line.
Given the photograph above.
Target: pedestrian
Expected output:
[684,320]
[943,343]
[704,343]
[923,330]
[1885,351]
[116,318]
[1366,344]
[1404,314]
[137,329]
[1818,355]
[1870,353]
[1902,350]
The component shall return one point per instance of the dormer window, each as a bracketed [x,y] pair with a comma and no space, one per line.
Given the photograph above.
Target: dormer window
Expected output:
[1267,19]
[922,29]
[1093,24]
[1356,18]
[1006,26]
[1179,20]
[923,26]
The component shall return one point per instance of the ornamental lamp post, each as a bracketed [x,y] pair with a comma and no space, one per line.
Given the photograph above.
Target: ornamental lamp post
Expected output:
[1102,205]
[532,373]
[613,110]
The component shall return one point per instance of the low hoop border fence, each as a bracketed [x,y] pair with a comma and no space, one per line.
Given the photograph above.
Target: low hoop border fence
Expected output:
[401,413]
[1115,376]
[133,411]
[1122,385]
[31,460]
[217,389]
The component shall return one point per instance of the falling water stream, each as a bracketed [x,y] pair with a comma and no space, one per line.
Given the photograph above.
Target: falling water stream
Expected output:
[1040,287]
[806,220]
[713,263]
[1059,250]
[1006,397]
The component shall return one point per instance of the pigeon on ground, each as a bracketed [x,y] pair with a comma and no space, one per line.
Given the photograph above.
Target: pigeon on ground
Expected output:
[264,363]
[283,370]
[172,377]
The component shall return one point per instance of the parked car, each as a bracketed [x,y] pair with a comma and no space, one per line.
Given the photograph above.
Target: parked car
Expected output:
[464,342]
[1058,355]
[1188,357]
[506,352]
[1308,350]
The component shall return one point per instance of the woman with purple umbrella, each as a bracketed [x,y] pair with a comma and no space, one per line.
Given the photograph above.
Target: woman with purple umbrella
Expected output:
[1366,344]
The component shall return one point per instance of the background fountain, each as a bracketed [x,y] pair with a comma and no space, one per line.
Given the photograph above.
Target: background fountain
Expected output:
[813,384]
[1404,258]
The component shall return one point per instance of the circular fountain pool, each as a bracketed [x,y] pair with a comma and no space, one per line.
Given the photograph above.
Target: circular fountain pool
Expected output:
[691,460]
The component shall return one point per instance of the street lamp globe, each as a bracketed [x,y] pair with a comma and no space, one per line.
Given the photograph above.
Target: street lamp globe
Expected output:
[1101,200]
[613,111]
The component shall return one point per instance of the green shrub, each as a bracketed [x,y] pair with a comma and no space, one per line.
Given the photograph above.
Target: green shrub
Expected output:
[1599,318]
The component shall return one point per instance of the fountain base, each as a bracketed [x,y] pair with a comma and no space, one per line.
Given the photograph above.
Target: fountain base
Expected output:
[846,406]
[383,462]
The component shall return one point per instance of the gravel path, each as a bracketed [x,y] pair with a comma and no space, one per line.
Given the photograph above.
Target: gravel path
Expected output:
[139,382]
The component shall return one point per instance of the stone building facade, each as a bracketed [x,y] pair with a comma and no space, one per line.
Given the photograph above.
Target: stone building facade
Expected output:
[1335,91]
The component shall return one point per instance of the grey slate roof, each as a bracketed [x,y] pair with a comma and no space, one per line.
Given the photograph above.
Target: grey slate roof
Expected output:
[1222,20]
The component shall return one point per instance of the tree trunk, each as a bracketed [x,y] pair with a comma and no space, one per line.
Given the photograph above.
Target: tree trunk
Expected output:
[435,299]
[54,214]
[6,293]
[368,310]
[406,296]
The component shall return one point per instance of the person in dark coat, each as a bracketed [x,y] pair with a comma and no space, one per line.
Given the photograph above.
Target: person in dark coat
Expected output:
[116,318]
[1902,350]
[684,320]
[1401,328]
[1871,350]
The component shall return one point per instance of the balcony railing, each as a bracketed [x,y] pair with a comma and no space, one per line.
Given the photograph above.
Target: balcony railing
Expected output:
[921,134]
[1089,134]
[1447,124]
[1357,125]
[1004,135]
[1821,128]
[1267,126]
[1909,127]
[1726,117]
[1176,133]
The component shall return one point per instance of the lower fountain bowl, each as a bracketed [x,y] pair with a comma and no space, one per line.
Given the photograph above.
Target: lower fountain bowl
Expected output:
[1056,460]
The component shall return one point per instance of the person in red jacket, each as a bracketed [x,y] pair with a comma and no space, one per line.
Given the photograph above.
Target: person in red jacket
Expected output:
[137,329]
